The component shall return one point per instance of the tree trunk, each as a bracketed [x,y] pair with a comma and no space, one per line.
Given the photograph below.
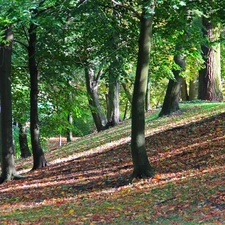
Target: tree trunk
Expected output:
[210,87]
[113,109]
[126,110]
[113,97]
[184,91]
[7,147]
[38,154]
[24,149]
[141,163]
[93,98]
[193,89]
[69,131]
[171,100]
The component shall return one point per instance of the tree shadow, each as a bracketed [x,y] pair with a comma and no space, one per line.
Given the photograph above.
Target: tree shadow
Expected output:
[189,147]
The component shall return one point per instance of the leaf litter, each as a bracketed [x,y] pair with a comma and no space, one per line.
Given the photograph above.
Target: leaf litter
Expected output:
[188,187]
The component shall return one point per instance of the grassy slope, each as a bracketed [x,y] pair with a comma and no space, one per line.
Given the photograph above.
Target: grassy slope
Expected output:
[87,182]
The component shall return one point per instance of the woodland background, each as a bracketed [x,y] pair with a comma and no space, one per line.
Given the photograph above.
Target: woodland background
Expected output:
[137,85]
[84,57]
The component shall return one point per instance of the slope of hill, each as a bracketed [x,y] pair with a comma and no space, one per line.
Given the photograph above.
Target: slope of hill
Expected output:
[87,182]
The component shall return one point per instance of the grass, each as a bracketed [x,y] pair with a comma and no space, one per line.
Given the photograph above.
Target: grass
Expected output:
[87,181]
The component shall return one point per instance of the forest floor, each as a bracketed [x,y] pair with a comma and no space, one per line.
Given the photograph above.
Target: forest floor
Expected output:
[88,181]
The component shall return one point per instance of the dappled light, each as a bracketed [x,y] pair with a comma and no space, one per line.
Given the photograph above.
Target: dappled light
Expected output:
[189,165]
[112,112]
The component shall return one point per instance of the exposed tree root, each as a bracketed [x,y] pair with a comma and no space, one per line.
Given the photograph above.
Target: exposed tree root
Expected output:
[141,174]
[11,177]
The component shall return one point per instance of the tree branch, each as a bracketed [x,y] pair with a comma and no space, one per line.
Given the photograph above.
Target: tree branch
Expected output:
[21,43]
[25,32]
[98,76]
[80,3]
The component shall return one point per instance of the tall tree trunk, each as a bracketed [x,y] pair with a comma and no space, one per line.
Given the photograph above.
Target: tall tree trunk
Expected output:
[210,76]
[93,98]
[24,149]
[141,163]
[113,109]
[38,154]
[7,147]
[113,96]
[171,100]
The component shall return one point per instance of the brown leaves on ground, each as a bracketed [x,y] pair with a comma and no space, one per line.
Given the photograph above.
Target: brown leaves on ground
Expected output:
[94,189]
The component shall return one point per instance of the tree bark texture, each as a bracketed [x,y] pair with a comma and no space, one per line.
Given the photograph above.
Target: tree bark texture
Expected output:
[141,163]
[93,98]
[210,76]
[7,147]
[38,154]
[172,97]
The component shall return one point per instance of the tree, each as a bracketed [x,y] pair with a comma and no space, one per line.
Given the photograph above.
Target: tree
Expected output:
[113,109]
[184,90]
[92,89]
[38,154]
[103,31]
[24,148]
[69,130]
[7,147]
[172,97]
[142,167]
[184,41]
[210,75]
[113,100]
[114,71]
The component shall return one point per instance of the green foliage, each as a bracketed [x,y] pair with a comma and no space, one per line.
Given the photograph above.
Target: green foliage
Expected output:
[193,65]
[73,33]
[55,66]
[149,8]
[94,172]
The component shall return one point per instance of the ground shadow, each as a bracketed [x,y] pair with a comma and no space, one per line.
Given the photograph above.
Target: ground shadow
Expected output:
[193,146]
